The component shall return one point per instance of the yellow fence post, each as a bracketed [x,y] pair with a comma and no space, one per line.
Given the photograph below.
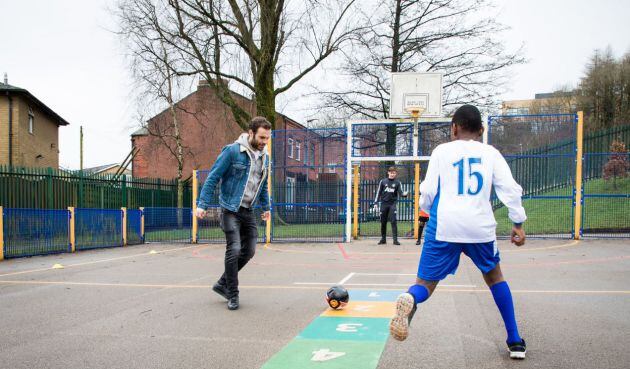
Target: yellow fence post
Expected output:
[355,203]
[577,216]
[416,200]
[71,229]
[124,225]
[1,233]
[142,224]
[195,221]
[269,191]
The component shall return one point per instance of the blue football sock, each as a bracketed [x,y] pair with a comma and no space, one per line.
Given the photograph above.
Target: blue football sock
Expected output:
[503,299]
[419,293]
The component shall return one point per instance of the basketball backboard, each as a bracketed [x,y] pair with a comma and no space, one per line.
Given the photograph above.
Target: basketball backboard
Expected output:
[416,91]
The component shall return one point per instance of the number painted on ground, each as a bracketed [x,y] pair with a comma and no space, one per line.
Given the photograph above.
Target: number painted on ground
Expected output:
[362,308]
[325,355]
[374,294]
[349,327]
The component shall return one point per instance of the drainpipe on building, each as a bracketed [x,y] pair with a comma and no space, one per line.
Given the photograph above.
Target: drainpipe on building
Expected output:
[10,129]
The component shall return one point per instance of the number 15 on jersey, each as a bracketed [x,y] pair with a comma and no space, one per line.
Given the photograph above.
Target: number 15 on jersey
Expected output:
[472,175]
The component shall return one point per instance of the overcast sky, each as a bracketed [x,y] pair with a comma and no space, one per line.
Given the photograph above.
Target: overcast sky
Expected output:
[63,53]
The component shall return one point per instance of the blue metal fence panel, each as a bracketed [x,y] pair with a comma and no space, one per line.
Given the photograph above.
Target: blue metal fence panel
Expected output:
[98,228]
[29,232]
[167,224]
[134,227]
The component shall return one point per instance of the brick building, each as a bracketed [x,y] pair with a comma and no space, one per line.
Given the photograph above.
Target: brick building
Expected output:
[29,130]
[206,125]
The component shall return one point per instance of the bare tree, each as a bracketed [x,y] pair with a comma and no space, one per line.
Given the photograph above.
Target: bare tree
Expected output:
[261,47]
[455,37]
[153,66]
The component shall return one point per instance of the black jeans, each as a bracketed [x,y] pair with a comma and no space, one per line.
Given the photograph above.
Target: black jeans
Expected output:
[388,213]
[241,235]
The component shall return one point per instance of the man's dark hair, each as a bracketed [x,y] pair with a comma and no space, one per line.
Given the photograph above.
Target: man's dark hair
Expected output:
[258,122]
[468,118]
[392,169]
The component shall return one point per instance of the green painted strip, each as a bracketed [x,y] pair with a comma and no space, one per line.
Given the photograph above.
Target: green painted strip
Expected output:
[306,354]
[336,342]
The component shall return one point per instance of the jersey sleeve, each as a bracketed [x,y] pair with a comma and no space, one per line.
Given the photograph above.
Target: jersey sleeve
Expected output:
[378,192]
[508,191]
[429,187]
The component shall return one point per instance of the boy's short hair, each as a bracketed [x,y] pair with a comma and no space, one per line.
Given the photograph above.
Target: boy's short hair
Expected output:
[392,169]
[468,118]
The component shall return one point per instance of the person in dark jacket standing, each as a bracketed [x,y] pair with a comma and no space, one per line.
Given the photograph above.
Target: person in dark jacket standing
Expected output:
[241,168]
[387,194]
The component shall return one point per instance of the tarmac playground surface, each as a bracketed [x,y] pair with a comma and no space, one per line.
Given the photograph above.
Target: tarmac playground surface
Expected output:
[151,306]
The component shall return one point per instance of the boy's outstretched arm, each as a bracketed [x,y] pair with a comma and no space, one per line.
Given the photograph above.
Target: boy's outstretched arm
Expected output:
[429,187]
[510,193]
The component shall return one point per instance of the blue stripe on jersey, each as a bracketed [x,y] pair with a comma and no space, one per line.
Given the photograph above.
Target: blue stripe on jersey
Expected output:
[431,230]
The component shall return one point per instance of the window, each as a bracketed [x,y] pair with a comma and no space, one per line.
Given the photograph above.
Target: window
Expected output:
[31,121]
[290,143]
[312,156]
[298,150]
[290,196]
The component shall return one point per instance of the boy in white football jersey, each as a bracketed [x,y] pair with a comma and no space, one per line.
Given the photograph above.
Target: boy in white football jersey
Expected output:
[456,194]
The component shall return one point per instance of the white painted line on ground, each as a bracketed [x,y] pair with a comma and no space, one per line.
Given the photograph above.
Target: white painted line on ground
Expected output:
[346,279]
[381,284]
[387,274]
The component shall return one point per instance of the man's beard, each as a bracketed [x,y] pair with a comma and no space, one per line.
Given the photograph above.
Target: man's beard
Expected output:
[256,145]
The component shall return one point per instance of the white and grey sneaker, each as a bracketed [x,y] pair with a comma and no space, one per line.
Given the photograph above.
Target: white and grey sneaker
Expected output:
[517,350]
[405,309]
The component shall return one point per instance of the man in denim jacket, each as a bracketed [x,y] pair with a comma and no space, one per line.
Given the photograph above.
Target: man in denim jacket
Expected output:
[241,168]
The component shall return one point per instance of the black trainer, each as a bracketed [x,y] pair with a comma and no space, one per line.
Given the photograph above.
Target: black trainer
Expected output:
[517,350]
[221,290]
[382,242]
[396,243]
[419,242]
[233,303]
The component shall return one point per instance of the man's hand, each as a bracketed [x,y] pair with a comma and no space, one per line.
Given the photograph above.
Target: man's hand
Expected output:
[405,193]
[201,213]
[266,216]
[518,235]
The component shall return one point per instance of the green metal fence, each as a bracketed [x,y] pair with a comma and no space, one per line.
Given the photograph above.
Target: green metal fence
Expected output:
[47,188]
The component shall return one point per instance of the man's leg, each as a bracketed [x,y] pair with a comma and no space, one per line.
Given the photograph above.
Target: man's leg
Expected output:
[249,237]
[384,216]
[503,298]
[231,226]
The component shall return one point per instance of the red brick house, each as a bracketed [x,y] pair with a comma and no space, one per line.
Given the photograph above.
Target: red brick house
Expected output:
[206,125]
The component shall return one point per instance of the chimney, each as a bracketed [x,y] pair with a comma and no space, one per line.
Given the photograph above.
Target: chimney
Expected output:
[6,78]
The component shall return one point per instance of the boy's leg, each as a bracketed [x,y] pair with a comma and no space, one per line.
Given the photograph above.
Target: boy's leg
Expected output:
[384,216]
[392,219]
[438,260]
[406,306]
[486,258]
[503,298]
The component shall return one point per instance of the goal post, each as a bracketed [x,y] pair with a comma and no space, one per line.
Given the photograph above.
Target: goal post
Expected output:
[403,142]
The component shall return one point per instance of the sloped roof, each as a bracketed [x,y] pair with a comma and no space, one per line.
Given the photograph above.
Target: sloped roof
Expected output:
[8,89]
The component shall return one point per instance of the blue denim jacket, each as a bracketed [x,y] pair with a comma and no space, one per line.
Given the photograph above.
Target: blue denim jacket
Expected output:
[232,169]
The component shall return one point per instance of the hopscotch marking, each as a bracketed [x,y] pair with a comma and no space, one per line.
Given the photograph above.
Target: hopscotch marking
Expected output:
[325,355]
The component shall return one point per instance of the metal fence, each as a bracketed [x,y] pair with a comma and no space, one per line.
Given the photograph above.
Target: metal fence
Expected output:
[308,185]
[98,228]
[546,170]
[29,232]
[167,224]
[47,188]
